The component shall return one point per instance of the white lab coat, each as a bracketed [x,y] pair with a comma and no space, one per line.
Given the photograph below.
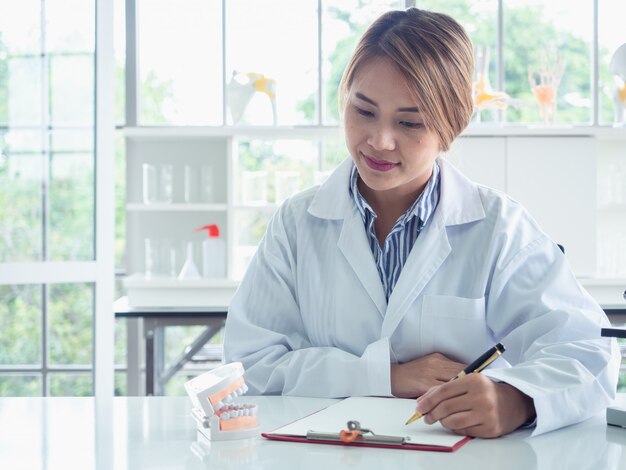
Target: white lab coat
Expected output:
[310,317]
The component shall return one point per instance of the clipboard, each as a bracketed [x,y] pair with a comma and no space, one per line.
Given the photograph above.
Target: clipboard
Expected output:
[380,424]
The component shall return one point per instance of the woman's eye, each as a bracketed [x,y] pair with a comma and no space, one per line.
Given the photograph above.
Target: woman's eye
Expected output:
[412,125]
[363,112]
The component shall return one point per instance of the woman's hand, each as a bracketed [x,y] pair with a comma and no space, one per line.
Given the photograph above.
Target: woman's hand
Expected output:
[413,379]
[475,405]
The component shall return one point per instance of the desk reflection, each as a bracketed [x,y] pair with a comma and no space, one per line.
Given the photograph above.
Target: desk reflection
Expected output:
[589,445]
[139,433]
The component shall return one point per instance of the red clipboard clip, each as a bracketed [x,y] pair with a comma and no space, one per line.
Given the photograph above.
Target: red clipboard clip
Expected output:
[356,434]
[353,432]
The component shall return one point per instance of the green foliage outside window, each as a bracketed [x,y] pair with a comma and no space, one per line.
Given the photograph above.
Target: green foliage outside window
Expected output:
[4,80]
[70,315]
[20,385]
[70,384]
[20,325]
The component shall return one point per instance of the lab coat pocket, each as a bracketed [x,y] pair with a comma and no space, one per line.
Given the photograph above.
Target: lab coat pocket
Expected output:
[454,326]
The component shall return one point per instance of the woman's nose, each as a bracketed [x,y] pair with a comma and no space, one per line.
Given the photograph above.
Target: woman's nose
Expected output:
[382,138]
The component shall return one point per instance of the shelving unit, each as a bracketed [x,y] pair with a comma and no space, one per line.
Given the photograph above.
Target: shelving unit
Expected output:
[217,147]
[158,232]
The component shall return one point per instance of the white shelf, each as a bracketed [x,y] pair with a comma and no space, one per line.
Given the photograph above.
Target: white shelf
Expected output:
[278,132]
[308,132]
[600,132]
[175,207]
[171,292]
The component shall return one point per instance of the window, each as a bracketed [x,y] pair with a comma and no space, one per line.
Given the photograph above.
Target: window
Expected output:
[48,267]
[520,46]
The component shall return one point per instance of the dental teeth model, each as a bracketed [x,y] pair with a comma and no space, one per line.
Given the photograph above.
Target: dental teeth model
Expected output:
[218,417]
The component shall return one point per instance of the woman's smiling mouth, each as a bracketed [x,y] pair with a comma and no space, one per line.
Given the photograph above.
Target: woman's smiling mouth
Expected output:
[379,165]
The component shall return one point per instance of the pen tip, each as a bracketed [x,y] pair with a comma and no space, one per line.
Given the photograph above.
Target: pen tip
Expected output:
[415,417]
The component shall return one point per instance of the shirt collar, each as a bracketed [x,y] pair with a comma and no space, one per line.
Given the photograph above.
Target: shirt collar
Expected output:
[422,207]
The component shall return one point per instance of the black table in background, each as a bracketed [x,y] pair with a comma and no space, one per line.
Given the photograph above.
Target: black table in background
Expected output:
[153,322]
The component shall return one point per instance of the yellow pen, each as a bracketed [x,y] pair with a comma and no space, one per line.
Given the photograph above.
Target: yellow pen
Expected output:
[479,364]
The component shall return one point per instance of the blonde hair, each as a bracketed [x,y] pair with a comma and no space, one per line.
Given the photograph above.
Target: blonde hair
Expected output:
[434,54]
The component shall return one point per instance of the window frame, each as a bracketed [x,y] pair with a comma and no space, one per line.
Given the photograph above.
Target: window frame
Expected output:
[99,272]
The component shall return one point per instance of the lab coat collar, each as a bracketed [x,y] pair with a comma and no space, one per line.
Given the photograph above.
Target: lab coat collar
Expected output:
[333,200]
[460,202]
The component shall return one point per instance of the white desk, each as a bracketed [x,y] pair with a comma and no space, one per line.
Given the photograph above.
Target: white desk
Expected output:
[158,433]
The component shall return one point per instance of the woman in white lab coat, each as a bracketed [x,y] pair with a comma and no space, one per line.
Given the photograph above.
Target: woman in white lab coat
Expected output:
[395,273]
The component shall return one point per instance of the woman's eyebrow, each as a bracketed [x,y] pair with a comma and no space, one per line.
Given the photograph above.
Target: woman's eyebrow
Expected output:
[361,96]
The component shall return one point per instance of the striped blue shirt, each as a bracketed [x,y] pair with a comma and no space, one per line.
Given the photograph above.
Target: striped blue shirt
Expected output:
[391,257]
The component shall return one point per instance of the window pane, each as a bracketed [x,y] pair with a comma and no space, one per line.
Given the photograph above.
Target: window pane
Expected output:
[119,49]
[20,385]
[70,384]
[70,25]
[621,384]
[70,336]
[176,385]
[333,153]
[266,173]
[176,340]
[71,195]
[612,87]
[270,171]
[71,89]
[554,40]
[250,226]
[20,62]
[21,169]
[479,18]
[19,26]
[20,90]
[343,22]
[20,324]
[180,53]
[120,199]
[119,351]
[281,47]
[121,384]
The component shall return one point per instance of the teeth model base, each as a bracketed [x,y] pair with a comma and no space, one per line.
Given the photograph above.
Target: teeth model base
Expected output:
[212,395]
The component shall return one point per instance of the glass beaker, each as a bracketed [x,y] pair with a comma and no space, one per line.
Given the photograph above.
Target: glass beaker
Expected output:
[192,181]
[166,180]
[149,180]
[207,193]
[151,256]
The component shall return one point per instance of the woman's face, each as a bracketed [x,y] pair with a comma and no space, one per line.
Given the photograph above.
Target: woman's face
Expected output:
[385,132]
